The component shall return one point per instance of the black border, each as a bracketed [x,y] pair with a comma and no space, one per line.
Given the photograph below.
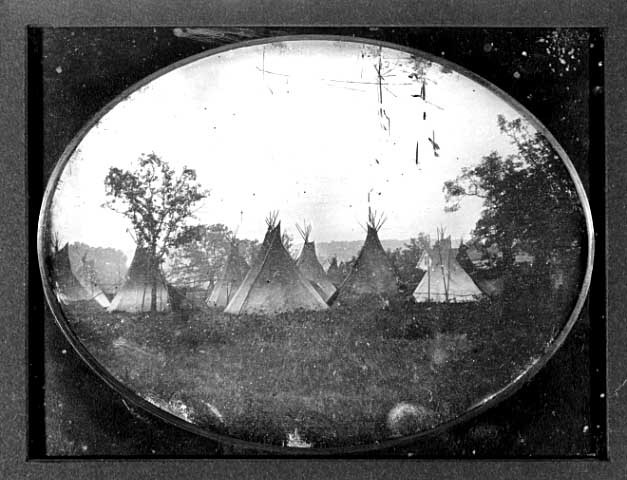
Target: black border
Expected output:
[598,288]
[486,13]
[488,402]
[34,299]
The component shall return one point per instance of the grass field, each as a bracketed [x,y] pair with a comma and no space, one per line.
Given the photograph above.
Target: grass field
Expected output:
[355,374]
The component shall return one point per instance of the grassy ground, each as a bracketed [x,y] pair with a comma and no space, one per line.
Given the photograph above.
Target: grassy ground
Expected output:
[357,373]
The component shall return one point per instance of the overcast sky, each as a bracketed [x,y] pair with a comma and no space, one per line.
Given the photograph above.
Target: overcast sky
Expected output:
[296,127]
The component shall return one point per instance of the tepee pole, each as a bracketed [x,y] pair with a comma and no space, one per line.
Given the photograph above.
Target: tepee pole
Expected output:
[428,278]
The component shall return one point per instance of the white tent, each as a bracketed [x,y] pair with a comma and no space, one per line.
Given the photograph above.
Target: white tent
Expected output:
[234,272]
[310,266]
[275,285]
[444,279]
[136,293]
[68,287]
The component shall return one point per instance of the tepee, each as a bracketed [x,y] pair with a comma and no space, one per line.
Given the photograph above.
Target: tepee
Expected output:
[271,220]
[444,279]
[334,274]
[235,269]
[275,284]
[67,285]
[310,266]
[372,272]
[136,293]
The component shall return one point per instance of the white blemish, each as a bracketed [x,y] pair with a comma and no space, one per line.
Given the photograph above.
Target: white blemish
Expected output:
[58,69]
[405,418]
[214,410]
[175,407]
[295,440]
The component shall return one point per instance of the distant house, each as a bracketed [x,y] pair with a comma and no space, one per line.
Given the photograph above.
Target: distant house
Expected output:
[521,257]
[488,256]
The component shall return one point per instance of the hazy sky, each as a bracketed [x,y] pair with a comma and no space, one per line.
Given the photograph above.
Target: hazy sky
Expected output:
[295,127]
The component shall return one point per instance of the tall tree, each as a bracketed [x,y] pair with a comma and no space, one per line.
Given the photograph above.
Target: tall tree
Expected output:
[158,202]
[529,199]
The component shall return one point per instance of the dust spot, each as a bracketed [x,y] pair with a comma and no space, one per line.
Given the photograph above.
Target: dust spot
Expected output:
[406,418]
[215,411]
[444,347]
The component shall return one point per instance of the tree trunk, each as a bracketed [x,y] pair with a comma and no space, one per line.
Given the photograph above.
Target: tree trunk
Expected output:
[153,295]
[508,258]
[153,281]
[508,268]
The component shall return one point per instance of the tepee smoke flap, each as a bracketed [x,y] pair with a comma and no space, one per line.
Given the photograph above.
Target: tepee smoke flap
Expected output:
[136,293]
[444,280]
[275,285]
[234,272]
[67,285]
[310,266]
[372,272]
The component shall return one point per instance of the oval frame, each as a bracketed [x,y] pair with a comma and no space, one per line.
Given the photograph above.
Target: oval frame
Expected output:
[474,410]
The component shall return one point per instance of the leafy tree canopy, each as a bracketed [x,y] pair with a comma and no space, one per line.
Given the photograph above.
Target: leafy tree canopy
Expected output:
[156,200]
[529,199]
[198,261]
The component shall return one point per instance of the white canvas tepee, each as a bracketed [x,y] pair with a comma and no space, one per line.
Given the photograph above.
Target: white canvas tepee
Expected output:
[136,293]
[234,272]
[310,266]
[444,279]
[275,284]
[68,287]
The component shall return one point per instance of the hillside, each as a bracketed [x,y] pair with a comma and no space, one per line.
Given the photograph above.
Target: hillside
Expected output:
[345,250]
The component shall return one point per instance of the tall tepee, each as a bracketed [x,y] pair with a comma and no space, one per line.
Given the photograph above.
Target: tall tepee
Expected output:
[444,279]
[136,293]
[275,284]
[372,272]
[234,272]
[258,259]
[310,266]
[67,285]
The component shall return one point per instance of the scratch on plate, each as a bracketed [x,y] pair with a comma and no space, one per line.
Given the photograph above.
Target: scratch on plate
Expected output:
[619,388]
